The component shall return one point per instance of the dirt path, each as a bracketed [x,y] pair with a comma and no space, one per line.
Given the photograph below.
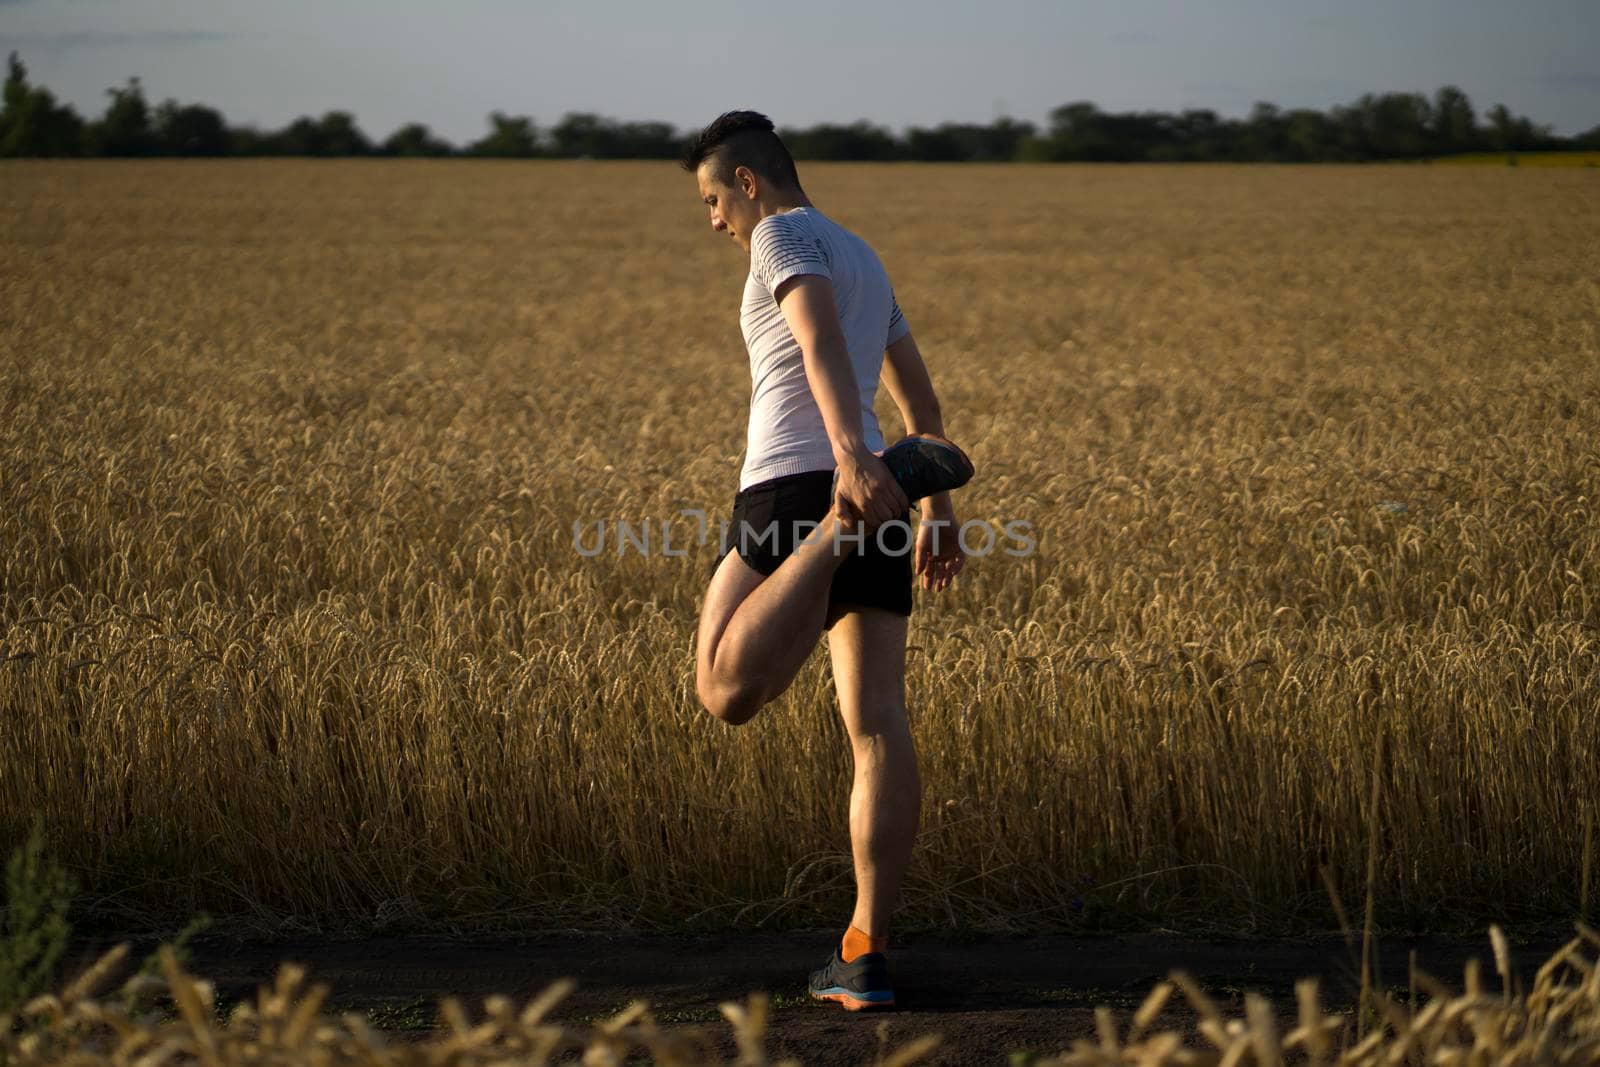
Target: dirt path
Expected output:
[988,998]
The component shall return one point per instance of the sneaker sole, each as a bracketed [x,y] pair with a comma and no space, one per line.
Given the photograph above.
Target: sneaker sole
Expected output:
[965,459]
[855,1001]
[945,442]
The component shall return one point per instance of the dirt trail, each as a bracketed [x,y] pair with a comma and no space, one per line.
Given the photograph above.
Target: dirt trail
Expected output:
[988,998]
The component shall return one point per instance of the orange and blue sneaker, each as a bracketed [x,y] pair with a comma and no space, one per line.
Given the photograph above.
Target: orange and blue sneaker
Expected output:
[860,985]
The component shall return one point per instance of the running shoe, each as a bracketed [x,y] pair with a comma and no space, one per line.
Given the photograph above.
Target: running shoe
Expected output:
[925,464]
[860,985]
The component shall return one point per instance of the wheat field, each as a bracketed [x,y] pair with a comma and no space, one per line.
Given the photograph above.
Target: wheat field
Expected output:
[1526,159]
[293,624]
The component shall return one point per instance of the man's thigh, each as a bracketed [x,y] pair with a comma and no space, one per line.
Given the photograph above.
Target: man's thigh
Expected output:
[731,582]
[868,648]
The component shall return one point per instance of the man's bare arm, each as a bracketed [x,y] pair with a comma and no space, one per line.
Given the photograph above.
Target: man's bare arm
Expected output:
[938,558]
[813,318]
[808,307]
[907,379]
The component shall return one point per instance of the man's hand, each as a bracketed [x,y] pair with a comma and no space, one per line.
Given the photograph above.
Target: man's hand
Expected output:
[871,492]
[938,557]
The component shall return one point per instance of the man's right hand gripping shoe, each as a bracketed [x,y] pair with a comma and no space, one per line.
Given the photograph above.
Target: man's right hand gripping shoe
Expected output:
[860,985]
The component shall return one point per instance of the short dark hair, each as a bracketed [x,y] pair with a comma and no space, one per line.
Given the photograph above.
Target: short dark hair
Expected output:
[742,139]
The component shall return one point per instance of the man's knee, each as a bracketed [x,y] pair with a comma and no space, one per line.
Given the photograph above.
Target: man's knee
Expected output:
[874,724]
[734,704]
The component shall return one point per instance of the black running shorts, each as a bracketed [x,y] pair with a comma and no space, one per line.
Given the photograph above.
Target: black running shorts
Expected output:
[763,531]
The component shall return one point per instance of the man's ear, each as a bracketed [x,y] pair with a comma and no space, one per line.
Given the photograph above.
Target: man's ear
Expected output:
[747,181]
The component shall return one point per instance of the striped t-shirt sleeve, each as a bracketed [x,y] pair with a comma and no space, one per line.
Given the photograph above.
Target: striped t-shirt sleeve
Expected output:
[898,326]
[782,248]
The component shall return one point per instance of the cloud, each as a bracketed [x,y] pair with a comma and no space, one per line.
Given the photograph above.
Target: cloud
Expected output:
[1135,37]
[79,39]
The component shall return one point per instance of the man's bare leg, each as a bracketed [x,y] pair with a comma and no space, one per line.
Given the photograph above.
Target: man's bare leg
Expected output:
[755,633]
[868,649]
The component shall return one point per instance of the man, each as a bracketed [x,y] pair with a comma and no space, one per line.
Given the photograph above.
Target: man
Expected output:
[821,325]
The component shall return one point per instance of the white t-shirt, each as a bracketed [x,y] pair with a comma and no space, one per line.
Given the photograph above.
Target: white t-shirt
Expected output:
[787,434]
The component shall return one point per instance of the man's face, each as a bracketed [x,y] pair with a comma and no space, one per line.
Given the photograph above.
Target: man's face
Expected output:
[734,209]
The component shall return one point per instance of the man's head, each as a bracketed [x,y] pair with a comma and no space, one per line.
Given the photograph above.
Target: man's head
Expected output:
[744,173]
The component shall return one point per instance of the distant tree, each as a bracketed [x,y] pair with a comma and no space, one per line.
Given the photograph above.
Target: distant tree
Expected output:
[334,134]
[415,139]
[1002,140]
[576,135]
[1400,124]
[510,137]
[1264,136]
[580,135]
[589,136]
[193,130]
[1589,139]
[859,140]
[648,140]
[16,90]
[125,129]
[1386,126]
[1200,134]
[1075,132]
[1513,133]
[1005,136]
[1502,128]
[341,136]
[31,123]
[249,141]
[1455,124]
[1082,131]
[945,144]
[1311,136]
[302,137]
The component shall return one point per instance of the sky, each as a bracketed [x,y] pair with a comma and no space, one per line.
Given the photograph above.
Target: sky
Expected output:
[896,64]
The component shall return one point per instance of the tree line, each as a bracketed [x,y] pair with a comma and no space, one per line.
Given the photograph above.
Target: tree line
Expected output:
[1375,127]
